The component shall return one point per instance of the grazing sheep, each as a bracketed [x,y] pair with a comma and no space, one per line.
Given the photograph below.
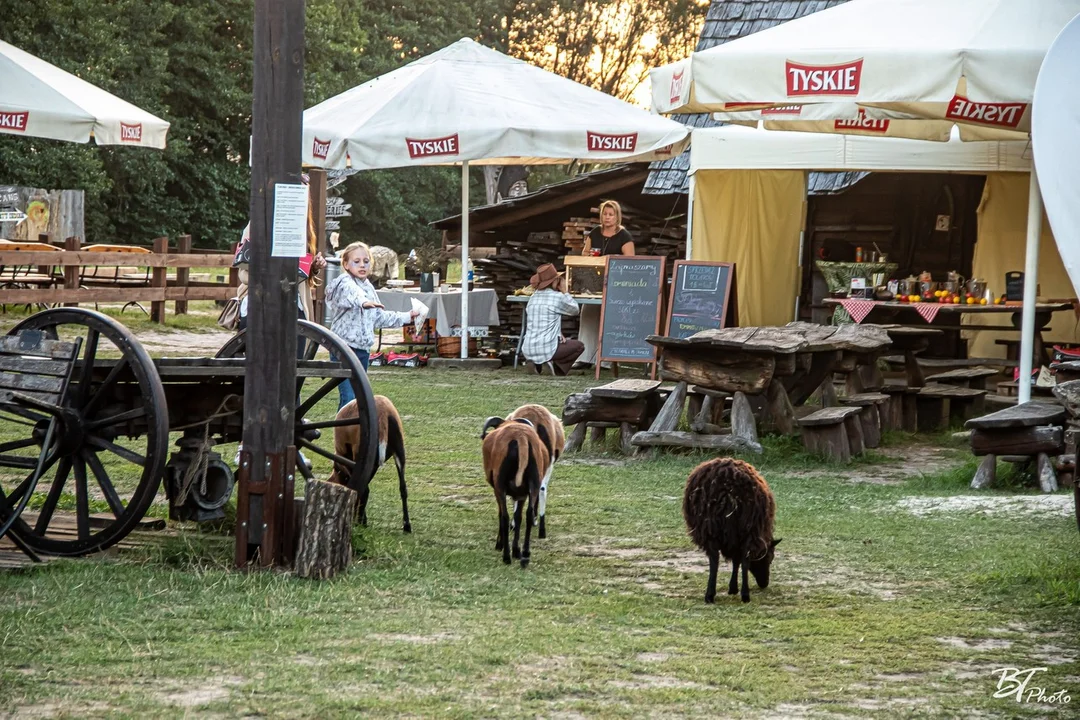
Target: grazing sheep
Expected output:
[514,461]
[550,430]
[391,439]
[729,511]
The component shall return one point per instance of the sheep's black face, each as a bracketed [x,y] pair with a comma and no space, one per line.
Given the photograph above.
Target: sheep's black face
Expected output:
[760,568]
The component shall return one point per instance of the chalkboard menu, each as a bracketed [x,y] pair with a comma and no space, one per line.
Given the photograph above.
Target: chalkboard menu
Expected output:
[702,298]
[630,311]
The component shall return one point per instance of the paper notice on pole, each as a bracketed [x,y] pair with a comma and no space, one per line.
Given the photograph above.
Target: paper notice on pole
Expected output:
[290,221]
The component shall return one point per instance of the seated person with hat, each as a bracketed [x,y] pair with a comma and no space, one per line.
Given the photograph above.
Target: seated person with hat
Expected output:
[543,341]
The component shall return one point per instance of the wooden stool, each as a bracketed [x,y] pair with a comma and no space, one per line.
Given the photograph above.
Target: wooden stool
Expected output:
[902,409]
[834,432]
[1031,430]
[626,404]
[938,404]
[870,405]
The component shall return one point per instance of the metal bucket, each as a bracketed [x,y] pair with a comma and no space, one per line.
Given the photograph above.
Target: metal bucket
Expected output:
[333,269]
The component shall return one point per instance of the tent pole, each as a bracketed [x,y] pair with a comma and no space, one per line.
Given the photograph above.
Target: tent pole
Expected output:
[1031,279]
[465,259]
[690,218]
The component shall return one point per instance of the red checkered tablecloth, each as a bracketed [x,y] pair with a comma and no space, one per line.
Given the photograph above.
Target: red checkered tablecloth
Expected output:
[859,309]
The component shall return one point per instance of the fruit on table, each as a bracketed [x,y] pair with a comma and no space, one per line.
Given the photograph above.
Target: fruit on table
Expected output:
[956,299]
[982,301]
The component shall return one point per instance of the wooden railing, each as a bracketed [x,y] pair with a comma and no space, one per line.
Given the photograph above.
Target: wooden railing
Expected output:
[69,285]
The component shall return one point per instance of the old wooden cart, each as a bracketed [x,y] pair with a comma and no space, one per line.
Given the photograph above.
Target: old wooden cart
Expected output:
[86,416]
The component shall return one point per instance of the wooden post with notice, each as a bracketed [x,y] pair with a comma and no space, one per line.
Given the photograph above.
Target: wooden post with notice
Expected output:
[183,246]
[264,510]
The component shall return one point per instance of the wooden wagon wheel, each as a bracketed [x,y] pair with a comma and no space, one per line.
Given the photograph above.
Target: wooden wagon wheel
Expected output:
[106,458]
[314,434]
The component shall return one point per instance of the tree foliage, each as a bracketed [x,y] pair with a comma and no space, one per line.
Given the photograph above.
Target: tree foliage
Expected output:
[191,63]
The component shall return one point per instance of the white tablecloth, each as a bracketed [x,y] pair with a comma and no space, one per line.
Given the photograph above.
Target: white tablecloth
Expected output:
[446,307]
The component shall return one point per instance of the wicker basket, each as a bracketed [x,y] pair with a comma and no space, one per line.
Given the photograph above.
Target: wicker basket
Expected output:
[450,347]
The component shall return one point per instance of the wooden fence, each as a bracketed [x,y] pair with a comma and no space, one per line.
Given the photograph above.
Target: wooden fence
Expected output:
[61,277]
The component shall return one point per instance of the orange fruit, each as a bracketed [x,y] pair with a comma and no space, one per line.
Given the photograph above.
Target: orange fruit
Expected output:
[970,300]
[956,300]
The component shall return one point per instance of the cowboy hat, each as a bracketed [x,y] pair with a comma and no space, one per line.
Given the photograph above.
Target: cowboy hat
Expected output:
[545,277]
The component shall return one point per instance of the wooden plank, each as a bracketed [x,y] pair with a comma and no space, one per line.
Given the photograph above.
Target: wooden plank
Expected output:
[32,365]
[669,415]
[587,407]
[28,381]
[626,389]
[1028,414]
[828,416]
[950,391]
[115,294]
[21,345]
[76,258]
[1018,441]
[732,443]
[750,377]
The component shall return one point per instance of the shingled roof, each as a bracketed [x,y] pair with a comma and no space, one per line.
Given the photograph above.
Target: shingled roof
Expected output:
[727,20]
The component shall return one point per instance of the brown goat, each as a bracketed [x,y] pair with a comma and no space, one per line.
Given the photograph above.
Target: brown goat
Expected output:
[514,461]
[550,429]
[391,440]
[729,511]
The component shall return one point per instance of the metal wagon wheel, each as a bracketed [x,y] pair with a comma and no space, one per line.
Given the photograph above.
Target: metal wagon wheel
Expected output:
[107,458]
[318,379]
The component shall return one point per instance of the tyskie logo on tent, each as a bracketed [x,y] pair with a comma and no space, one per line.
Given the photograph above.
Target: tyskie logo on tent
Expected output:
[675,93]
[863,123]
[131,133]
[433,147]
[15,121]
[320,149]
[1005,115]
[604,142]
[782,111]
[809,80]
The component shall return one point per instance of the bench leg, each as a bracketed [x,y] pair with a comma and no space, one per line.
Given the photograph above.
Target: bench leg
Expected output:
[577,438]
[986,474]
[853,427]
[909,413]
[830,441]
[597,436]
[1047,476]
[626,431]
[871,426]
[933,413]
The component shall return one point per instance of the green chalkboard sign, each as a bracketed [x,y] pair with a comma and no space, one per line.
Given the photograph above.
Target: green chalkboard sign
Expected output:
[631,308]
[703,297]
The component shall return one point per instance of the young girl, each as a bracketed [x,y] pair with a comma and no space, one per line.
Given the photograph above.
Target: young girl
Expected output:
[356,310]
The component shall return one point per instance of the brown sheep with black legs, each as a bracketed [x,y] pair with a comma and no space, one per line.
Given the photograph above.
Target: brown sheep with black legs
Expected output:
[514,461]
[391,442]
[729,510]
[550,429]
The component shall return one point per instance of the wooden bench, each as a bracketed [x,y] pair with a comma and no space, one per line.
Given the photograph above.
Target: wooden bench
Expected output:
[35,376]
[870,413]
[940,404]
[902,408]
[629,405]
[943,364]
[1066,370]
[975,378]
[834,432]
[1032,429]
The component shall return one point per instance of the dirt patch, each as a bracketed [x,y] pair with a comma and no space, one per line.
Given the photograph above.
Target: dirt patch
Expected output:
[593,461]
[993,505]
[976,645]
[51,710]
[651,657]
[605,551]
[652,682]
[806,572]
[183,344]
[904,463]
[207,691]
[686,562]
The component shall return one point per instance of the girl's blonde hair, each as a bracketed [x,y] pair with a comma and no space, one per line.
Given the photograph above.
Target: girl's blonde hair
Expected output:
[353,247]
[614,206]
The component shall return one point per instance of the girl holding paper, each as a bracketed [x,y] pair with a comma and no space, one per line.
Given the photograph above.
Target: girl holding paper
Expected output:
[356,310]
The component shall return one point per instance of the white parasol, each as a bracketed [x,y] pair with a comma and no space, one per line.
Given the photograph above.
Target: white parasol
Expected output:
[41,100]
[467,104]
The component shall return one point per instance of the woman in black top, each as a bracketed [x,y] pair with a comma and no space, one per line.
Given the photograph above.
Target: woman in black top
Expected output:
[610,238]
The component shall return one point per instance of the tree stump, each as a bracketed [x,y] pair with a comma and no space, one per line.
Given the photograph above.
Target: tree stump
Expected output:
[325,544]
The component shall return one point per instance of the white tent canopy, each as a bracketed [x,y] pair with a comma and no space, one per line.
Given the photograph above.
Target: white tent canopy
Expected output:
[964,61]
[738,148]
[469,104]
[41,100]
[1054,133]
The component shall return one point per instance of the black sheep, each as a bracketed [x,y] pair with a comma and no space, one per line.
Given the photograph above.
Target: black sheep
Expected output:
[729,511]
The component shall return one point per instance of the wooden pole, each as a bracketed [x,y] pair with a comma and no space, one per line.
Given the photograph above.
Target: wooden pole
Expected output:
[183,246]
[317,190]
[158,279]
[265,500]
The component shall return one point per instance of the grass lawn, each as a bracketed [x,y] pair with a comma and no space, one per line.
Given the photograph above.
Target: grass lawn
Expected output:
[896,592]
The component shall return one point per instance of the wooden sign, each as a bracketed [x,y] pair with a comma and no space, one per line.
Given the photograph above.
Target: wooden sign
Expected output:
[630,309]
[703,297]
